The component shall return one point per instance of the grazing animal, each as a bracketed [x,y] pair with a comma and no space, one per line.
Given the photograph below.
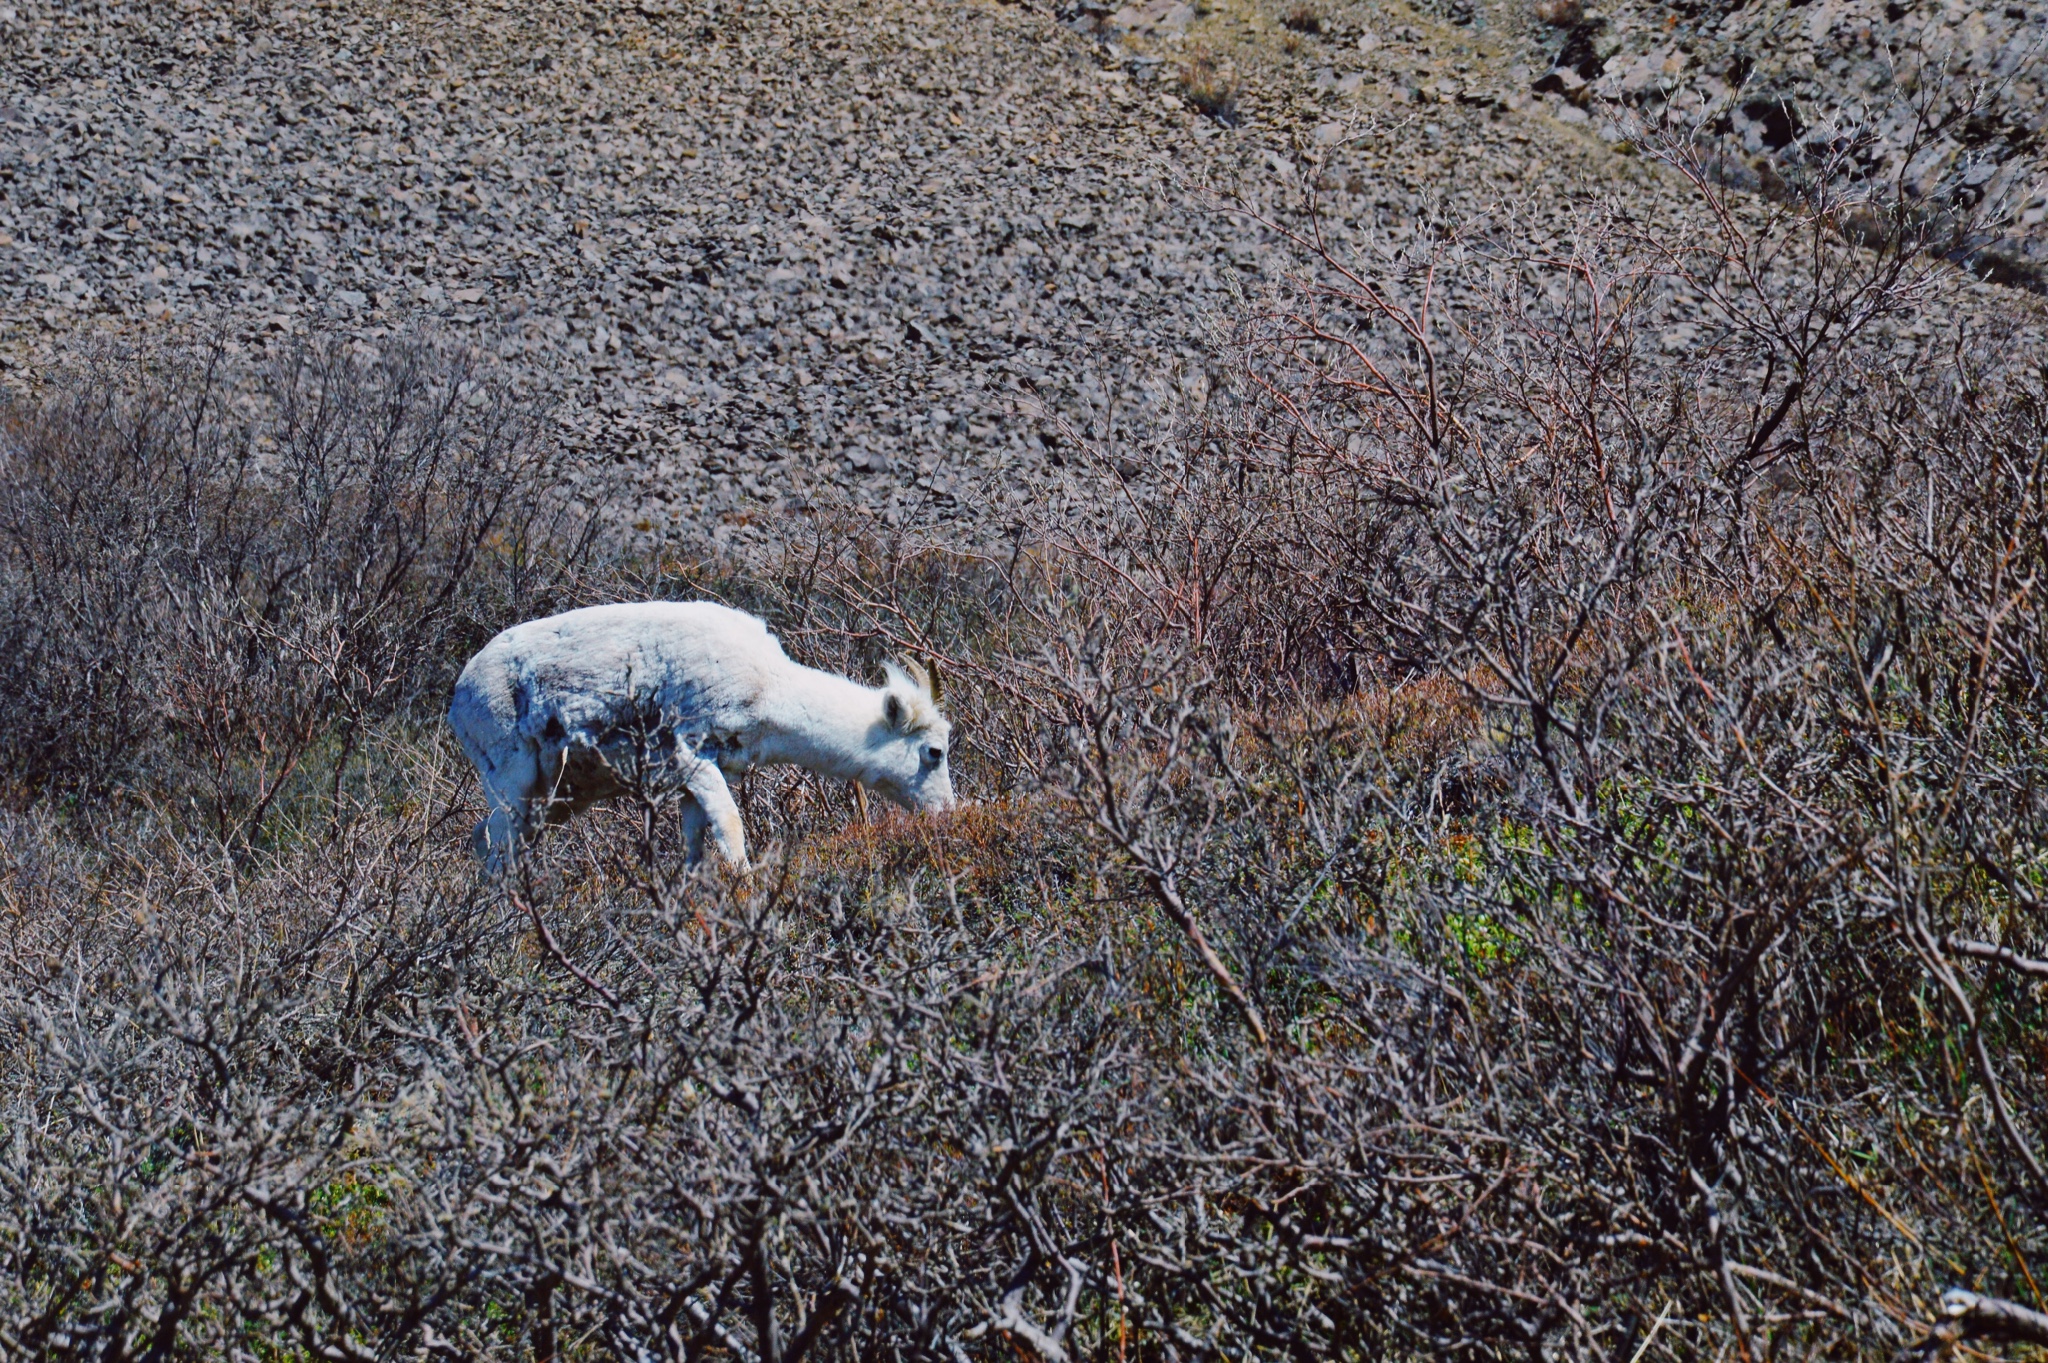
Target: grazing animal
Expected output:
[560,713]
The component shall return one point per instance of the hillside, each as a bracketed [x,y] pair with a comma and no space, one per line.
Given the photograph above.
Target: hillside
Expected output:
[758,254]
[1476,572]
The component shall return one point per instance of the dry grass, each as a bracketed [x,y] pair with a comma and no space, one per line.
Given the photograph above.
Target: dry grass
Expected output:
[1209,84]
[974,852]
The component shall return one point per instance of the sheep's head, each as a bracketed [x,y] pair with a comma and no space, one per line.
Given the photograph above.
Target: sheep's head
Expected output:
[908,761]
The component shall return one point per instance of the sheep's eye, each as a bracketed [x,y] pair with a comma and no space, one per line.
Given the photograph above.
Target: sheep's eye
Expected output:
[934,756]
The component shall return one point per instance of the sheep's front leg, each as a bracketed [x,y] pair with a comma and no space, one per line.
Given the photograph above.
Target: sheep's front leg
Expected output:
[711,805]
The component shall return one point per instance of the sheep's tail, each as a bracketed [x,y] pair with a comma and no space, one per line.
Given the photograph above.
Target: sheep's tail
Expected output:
[482,709]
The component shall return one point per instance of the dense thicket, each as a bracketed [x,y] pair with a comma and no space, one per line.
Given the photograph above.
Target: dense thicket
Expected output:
[1520,835]
[209,566]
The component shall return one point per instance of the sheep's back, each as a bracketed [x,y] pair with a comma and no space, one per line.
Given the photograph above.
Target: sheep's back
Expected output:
[689,665]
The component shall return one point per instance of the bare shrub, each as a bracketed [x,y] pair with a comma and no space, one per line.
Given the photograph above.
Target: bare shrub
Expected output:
[1518,836]
[1730,784]
[1208,85]
[213,578]
[385,1113]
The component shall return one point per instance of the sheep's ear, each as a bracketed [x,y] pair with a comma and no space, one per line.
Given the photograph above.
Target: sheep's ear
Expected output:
[893,710]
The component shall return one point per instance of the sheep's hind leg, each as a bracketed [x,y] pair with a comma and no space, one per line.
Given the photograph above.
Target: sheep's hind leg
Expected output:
[498,839]
[509,790]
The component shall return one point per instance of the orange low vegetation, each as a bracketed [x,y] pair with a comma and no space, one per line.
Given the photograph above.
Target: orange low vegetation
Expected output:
[977,848]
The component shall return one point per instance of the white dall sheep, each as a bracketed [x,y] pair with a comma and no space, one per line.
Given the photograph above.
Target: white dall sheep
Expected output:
[560,713]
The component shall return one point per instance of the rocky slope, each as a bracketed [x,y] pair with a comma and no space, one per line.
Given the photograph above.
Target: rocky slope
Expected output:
[1935,106]
[765,254]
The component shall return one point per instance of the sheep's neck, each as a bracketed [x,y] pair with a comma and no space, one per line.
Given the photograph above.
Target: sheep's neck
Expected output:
[819,722]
